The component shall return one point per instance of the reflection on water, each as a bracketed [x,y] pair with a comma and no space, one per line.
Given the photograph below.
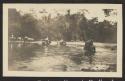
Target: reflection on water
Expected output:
[34,57]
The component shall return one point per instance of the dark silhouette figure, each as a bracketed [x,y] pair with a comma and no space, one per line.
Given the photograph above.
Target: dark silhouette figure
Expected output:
[63,43]
[89,48]
[46,42]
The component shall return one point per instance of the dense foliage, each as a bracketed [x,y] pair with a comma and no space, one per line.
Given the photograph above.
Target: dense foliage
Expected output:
[69,27]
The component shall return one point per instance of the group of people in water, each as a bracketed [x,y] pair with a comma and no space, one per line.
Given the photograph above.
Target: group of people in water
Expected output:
[89,48]
[47,42]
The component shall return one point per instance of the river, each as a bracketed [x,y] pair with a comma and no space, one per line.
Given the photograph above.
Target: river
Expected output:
[55,58]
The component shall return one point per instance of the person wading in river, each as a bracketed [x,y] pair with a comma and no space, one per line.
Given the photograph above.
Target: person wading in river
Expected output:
[89,48]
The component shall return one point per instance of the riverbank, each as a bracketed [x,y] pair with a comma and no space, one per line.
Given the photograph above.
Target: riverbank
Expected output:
[68,43]
[79,44]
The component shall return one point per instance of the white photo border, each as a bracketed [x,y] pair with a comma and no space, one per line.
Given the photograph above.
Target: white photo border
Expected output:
[8,73]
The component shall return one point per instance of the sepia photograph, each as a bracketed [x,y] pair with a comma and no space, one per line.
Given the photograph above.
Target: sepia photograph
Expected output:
[82,40]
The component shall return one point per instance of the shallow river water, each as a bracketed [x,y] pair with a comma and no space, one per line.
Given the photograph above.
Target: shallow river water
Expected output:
[55,58]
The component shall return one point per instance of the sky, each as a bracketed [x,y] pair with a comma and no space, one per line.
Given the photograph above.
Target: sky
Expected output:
[99,13]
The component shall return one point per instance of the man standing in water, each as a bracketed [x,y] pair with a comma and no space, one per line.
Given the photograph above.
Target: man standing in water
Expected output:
[89,48]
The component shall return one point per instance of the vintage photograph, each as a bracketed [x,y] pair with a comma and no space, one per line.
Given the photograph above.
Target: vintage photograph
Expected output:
[63,38]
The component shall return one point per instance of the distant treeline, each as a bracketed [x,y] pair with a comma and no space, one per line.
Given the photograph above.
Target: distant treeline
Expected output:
[69,27]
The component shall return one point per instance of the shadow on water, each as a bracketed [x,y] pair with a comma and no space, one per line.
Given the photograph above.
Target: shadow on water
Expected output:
[77,58]
[81,58]
[21,52]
